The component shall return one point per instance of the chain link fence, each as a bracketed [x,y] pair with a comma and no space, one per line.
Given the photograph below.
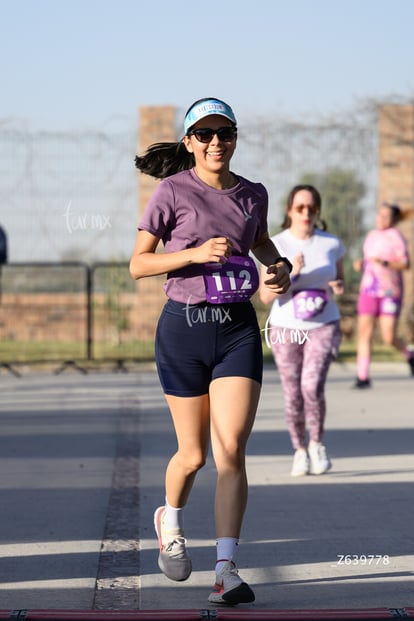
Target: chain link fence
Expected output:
[75,196]
[69,207]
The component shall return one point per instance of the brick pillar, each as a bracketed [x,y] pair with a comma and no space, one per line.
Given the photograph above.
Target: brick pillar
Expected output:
[396,185]
[157,124]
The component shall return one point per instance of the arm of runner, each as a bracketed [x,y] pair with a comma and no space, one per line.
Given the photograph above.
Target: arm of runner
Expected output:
[145,261]
[337,285]
[267,253]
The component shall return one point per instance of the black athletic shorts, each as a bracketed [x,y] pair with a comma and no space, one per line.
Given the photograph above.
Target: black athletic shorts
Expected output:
[198,343]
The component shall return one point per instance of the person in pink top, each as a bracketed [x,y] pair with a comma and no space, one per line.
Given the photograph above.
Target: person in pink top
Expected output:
[385,257]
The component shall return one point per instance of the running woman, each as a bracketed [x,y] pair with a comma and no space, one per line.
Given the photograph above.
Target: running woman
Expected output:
[208,347]
[303,326]
[381,289]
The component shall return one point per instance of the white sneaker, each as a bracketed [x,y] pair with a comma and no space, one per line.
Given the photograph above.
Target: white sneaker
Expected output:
[229,588]
[319,460]
[300,465]
[173,559]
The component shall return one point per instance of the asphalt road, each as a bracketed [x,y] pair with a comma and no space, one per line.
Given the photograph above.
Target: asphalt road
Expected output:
[82,460]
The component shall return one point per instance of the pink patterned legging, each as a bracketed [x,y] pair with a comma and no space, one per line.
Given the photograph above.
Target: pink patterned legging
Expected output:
[303,364]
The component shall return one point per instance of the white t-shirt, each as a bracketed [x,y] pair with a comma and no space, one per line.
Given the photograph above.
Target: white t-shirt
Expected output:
[321,253]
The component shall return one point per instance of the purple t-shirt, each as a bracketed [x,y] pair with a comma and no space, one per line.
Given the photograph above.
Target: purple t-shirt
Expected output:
[184,212]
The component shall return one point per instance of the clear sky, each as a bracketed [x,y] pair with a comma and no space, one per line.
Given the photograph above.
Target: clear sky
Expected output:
[75,64]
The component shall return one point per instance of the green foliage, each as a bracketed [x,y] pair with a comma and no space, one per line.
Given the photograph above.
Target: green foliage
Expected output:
[114,280]
[341,193]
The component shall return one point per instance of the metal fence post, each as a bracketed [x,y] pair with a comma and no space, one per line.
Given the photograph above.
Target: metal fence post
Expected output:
[89,314]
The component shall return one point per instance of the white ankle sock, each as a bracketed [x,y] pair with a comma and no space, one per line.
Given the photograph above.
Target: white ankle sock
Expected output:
[226,551]
[173,517]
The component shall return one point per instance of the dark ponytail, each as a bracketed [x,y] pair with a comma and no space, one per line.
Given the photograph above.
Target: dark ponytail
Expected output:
[164,159]
[396,213]
[168,158]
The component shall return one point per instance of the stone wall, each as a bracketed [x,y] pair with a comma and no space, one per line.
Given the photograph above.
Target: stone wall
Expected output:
[50,319]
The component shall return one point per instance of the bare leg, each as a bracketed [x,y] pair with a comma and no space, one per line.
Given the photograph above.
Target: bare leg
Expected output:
[388,327]
[233,405]
[191,418]
[366,325]
[191,422]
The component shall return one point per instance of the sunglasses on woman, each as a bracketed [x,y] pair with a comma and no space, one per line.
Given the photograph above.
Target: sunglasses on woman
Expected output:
[205,134]
[312,209]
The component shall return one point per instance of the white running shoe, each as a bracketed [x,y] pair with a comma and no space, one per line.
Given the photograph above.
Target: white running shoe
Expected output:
[300,465]
[173,559]
[229,588]
[319,460]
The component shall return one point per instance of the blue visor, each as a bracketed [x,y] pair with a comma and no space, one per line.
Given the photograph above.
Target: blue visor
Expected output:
[206,108]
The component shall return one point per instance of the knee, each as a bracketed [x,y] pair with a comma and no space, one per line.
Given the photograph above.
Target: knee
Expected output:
[230,456]
[389,340]
[192,462]
[312,391]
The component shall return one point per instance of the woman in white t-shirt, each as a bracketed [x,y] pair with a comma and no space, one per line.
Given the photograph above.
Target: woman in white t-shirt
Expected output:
[303,325]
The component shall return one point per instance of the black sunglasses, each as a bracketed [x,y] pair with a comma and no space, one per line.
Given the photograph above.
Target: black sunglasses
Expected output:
[205,134]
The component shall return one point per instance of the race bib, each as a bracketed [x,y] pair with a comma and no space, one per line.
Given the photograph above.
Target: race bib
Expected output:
[235,281]
[309,303]
[389,306]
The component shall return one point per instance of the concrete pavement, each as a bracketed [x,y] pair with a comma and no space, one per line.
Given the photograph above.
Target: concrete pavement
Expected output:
[82,460]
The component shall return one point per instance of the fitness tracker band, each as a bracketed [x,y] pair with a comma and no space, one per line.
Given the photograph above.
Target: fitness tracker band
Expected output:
[286,261]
